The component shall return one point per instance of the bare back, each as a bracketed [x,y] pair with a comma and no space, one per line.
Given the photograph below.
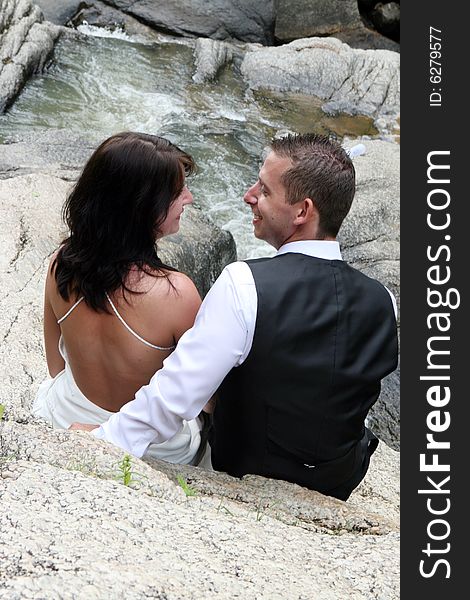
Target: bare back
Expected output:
[108,362]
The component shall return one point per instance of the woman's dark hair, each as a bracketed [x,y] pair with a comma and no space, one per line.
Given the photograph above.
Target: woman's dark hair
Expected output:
[114,213]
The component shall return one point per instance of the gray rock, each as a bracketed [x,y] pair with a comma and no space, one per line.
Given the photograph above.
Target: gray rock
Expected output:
[370,241]
[349,80]
[307,18]
[26,43]
[58,12]
[384,416]
[57,153]
[68,534]
[209,57]
[366,39]
[220,19]
[370,234]
[386,17]
[199,249]
[98,14]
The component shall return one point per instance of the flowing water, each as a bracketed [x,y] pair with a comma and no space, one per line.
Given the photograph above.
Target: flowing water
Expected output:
[102,83]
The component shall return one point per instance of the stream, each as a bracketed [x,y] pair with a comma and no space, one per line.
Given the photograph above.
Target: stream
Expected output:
[101,83]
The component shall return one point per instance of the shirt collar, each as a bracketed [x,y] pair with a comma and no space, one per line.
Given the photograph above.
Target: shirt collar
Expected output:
[328,250]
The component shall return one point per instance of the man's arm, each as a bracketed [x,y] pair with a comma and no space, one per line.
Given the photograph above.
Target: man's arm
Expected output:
[219,340]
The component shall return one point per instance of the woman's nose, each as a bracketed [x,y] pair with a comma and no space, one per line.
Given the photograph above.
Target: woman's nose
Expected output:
[187,196]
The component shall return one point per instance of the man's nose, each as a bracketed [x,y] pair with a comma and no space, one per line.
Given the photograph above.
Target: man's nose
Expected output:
[251,196]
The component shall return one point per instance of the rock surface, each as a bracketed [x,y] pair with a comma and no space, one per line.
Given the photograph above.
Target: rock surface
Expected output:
[209,57]
[350,80]
[71,529]
[370,234]
[58,12]
[220,19]
[26,43]
[307,18]
[370,242]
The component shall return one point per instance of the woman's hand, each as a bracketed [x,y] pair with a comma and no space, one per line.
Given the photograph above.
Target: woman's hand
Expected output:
[83,426]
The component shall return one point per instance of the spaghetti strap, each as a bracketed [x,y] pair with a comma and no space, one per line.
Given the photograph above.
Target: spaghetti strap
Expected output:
[59,321]
[136,335]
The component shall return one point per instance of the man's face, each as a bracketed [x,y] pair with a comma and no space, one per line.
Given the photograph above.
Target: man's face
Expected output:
[272,216]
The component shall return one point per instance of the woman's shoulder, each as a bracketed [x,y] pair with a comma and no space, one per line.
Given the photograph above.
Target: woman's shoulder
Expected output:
[172,287]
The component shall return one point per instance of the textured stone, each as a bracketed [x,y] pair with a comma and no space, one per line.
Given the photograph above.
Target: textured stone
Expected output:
[386,18]
[209,57]
[370,241]
[58,11]
[220,19]
[26,43]
[307,18]
[349,80]
[98,14]
[366,39]
[70,528]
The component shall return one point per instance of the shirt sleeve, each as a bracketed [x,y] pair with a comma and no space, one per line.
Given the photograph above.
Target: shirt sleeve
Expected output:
[220,339]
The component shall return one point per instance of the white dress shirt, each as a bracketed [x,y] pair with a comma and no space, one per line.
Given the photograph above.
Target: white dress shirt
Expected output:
[220,339]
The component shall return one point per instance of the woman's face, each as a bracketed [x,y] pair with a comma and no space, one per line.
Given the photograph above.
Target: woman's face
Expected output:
[172,222]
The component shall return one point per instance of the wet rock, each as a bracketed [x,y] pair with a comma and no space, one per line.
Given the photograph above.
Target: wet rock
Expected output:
[58,12]
[349,80]
[220,19]
[386,18]
[307,18]
[98,14]
[209,57]
[26,43]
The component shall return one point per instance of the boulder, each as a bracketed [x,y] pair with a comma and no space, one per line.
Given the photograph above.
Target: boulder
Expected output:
[370,234]
[71,523]
[99,14]
[349,80]
[209,57]
[307,18]
[52,152]
[386,18]
[58,12]
[26,43]
[367,39]
[370,242]
[220,19]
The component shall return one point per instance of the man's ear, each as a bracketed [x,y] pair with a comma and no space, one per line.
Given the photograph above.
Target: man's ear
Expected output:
[306,212]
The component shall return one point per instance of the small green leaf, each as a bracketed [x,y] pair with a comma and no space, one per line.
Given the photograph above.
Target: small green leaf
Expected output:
[187,489]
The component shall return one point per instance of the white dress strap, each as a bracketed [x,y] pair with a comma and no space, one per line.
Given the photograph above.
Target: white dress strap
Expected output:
[141,339]
[59,321]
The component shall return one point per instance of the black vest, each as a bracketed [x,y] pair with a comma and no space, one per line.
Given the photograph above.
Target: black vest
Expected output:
[324,338]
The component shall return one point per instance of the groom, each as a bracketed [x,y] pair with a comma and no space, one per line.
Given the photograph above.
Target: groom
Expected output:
[296,344]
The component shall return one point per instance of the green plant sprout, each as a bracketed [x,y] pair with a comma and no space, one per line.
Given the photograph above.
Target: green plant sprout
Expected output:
[187,489]
[125,471]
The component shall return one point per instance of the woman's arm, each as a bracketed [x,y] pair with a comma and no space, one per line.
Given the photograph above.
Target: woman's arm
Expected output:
[55,362]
